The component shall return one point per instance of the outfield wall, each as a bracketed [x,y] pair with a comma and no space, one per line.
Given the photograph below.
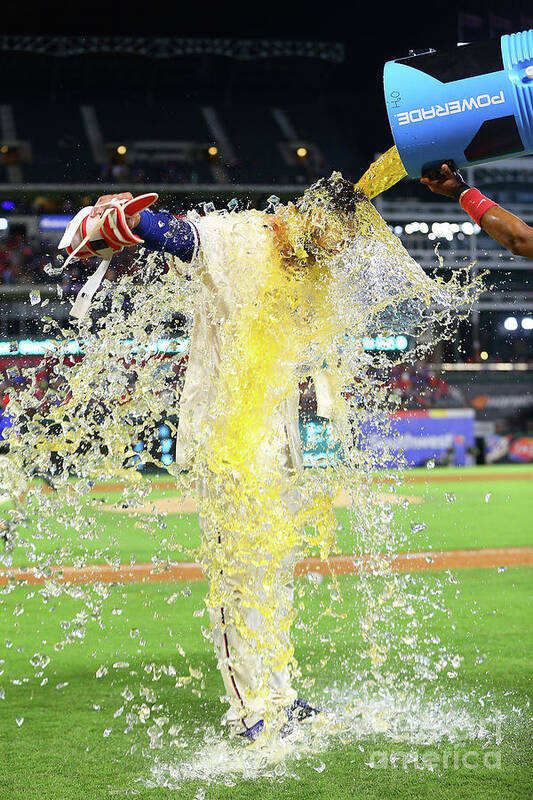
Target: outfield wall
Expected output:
[412,438]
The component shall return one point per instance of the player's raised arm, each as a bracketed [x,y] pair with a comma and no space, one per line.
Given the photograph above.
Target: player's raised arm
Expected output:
[121,220]
[117,221]
[506,228]
[163,232]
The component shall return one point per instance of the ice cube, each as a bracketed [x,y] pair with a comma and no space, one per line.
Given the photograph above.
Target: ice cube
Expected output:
[53,271]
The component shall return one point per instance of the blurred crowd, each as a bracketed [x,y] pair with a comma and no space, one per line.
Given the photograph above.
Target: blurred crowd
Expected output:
[34,260]
[420,388]
[416,388]
[23,259]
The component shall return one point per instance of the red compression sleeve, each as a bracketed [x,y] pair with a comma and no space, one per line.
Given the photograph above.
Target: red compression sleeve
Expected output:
[475,204]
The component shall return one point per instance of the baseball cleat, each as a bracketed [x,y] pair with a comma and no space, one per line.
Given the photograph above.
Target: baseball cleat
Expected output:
[253,731]
[300,711]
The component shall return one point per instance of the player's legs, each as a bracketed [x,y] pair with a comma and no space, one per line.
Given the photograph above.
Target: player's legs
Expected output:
[240,659]
[239,656]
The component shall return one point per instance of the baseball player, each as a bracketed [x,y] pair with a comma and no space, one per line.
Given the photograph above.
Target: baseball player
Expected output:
[200,245]
[120,220]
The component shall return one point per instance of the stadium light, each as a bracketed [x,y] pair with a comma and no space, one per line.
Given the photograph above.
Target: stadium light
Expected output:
[4,148]
[385,342]
[510,324]
[213,151]
[301,152]
[3,224]
[483,355]
[122,150]
[527,323]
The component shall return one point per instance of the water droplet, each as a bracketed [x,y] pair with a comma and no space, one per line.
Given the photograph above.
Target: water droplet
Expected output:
[35,297]
[416,527]
[320,767]
[38,660]
[19,721]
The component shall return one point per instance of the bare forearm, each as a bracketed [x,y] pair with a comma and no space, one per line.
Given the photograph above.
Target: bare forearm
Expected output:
[505,228]
[509,230]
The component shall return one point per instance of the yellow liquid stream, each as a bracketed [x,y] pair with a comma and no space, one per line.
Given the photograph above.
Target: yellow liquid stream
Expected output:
[382,174]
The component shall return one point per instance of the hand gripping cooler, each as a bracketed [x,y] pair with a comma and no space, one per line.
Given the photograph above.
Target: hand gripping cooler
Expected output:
[470,105]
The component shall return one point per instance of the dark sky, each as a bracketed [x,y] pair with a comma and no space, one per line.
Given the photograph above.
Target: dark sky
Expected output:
[383,25]
[373,32]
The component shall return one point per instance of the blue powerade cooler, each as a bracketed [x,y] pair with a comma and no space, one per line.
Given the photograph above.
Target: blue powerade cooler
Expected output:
[468,106]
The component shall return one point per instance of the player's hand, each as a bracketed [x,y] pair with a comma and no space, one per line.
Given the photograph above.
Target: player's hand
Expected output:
[103,202]
[449,184]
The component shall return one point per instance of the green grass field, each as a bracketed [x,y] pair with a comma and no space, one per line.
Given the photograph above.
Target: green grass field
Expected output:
[488,513]
[71,743]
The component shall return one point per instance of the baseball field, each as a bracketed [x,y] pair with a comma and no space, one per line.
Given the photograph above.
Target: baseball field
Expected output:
[109,686]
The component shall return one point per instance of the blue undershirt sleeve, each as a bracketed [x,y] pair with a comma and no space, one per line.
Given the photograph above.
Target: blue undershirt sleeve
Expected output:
[165,233]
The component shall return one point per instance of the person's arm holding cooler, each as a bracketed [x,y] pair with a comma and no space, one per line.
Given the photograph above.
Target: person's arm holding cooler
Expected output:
[507,229]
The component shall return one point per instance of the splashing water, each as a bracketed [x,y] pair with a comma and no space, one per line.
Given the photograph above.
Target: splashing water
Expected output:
[410,721]
[275,298]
